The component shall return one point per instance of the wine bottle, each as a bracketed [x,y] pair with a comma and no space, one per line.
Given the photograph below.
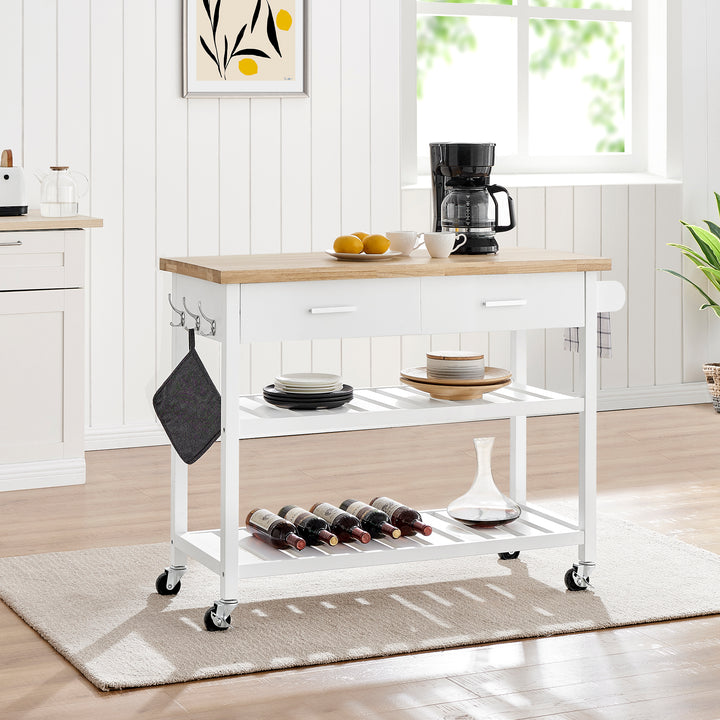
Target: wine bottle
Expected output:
[408,520]
[311,528]
[375,521]
[274,530]
[343,524]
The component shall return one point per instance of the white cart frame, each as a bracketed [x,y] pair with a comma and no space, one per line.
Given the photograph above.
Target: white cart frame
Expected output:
[233,553]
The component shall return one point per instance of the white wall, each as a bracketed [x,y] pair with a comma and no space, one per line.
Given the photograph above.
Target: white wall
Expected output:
[96,84]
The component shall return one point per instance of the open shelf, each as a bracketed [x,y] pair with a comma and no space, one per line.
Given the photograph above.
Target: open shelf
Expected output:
[400,406]
[535,528]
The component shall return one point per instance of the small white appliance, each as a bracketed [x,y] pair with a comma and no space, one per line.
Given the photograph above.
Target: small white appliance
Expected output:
[13,199]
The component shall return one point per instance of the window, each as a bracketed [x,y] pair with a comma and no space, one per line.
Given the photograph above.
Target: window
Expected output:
[558,85]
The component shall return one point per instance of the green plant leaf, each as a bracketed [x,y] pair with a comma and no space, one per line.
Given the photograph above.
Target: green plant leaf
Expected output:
[717,200]
[711,302]
[714,229]
[690,254]
[709,244]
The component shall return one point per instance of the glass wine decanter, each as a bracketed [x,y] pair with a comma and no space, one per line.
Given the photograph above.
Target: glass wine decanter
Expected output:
[483,503]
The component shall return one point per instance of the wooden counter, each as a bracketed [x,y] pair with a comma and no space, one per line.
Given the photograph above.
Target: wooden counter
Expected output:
[34,221]
[295,267]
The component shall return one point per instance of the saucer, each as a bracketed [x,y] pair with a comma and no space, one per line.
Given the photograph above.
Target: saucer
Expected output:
[365,257]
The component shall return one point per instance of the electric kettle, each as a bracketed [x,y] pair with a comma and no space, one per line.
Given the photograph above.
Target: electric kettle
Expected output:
[60,190]
[13,200]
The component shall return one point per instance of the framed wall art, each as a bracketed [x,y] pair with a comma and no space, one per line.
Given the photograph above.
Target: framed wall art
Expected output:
[243,47]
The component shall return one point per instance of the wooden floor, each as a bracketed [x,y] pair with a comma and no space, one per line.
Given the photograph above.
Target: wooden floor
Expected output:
[659,468]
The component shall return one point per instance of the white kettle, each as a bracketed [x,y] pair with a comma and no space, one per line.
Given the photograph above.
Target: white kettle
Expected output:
[60,191]
[13,200]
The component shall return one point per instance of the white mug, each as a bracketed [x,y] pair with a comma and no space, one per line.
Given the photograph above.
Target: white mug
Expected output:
[441,244]
[403,241]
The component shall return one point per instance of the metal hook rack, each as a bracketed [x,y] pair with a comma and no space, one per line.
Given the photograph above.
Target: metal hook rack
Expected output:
[195,316]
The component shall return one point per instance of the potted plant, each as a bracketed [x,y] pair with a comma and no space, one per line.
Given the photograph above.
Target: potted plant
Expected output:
[708,262]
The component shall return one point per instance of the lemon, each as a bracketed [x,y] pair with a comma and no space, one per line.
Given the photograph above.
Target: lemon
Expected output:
[348,244]
[361,235]
[376,244]
[283,20]
[247,66]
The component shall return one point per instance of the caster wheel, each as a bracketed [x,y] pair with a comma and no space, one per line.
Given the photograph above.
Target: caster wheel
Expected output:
[161,585]
[210,623]
[509,556]
[570,581]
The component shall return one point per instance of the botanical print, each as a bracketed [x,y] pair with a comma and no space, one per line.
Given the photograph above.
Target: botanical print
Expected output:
[246,40]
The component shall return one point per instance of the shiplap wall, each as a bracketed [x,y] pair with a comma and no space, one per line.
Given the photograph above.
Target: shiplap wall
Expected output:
[96,84]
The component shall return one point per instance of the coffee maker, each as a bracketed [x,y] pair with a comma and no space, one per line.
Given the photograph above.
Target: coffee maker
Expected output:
[463,199]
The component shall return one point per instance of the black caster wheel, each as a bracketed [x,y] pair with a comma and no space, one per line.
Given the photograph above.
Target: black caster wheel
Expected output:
[161,585]
[571,583]
[210,623]
[509,556]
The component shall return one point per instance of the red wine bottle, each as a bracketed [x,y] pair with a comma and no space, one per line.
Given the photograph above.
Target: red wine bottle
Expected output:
[311,528]
[274,530]
[375,521]
[408,520]
[343,524]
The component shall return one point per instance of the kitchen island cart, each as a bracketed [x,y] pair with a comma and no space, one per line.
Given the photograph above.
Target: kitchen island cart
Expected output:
[243,299]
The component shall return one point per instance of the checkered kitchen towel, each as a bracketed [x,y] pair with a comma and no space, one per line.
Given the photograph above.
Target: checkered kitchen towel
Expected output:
[571,338]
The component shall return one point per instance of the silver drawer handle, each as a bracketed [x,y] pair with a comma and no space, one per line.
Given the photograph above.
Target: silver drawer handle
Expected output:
[331,310]
[12,242]
[505,303]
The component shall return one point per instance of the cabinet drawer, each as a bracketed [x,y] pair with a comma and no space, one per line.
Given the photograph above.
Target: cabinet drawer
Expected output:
[41,259]
[329,309]
[502,302]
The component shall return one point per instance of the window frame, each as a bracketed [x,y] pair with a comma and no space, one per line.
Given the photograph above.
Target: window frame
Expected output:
[643,46]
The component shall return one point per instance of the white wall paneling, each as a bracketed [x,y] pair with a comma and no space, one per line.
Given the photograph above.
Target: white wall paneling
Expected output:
[105,283]
[138,172]
[559,223]
[614,370]
[96,84]
[40,78]
[11,83]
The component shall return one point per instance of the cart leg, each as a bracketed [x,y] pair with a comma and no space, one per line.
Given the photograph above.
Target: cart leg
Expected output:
[218,617]
[168,583]
[518,425]
[587,477]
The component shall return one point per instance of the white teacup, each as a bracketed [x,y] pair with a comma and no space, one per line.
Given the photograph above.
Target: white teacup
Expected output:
[441,244]
[404,241]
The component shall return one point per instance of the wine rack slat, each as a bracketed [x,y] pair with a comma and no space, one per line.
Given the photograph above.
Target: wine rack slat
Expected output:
[533,529]
[400,406]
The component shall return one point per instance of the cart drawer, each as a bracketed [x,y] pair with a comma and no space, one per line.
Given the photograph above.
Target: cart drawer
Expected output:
[329,309]
[502,302]
[41,259]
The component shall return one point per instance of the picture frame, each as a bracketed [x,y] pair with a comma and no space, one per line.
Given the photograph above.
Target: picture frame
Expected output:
[244,48]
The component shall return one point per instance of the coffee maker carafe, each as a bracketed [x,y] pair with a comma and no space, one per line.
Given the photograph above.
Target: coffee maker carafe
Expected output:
[463,199]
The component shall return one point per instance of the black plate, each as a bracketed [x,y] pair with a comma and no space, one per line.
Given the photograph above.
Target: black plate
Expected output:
[270,391]
[292,404]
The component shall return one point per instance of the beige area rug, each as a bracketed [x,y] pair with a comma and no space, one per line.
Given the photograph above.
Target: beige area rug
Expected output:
[99,607]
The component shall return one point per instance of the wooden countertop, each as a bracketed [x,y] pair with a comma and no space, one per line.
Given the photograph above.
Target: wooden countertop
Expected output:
[294,267]
[34,221]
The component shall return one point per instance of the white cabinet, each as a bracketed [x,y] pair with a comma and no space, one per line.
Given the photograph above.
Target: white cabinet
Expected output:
[42,375]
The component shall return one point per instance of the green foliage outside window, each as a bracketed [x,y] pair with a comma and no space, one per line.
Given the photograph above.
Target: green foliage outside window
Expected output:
[564,42]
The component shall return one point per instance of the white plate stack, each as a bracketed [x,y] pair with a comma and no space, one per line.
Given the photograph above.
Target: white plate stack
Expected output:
[455,365]
[308,383]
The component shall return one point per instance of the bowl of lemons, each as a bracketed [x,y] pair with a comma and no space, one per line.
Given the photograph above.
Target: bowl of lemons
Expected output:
[362,246]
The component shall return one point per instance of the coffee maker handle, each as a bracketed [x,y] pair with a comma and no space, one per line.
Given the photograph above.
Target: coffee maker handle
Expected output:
[492,189]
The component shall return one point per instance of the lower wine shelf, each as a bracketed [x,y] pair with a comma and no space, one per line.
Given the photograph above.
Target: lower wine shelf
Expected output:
[534,529]
[398,407]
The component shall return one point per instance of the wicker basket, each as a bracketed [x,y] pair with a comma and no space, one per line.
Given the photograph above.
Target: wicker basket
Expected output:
[712,375]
